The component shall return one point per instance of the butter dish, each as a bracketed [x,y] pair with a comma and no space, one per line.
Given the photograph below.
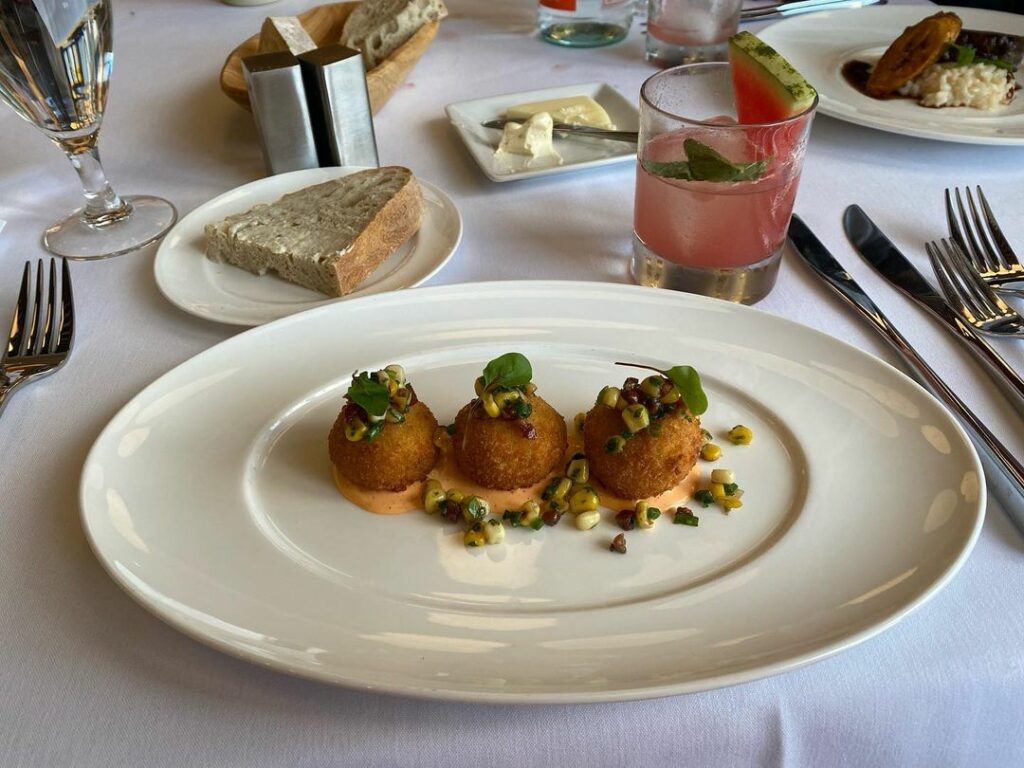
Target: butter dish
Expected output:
[576,153]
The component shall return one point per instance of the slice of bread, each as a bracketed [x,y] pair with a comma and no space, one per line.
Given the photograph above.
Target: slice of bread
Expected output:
[285,33]
[328,237]
[378,27]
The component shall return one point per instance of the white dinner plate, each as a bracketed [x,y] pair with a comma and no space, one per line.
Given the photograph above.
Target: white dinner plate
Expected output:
[231,295]
[208,498]
[818,45]
[577,153]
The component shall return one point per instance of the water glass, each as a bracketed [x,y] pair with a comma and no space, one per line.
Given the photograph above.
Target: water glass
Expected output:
[689,31]
[713,196]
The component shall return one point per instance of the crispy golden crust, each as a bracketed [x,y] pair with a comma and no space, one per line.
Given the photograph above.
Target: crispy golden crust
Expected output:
[912,52]
[649,464]
[399,456]
[496,454]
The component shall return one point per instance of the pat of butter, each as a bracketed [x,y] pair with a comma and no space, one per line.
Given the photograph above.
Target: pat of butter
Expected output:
[285,33]
[531,138]
[575,110]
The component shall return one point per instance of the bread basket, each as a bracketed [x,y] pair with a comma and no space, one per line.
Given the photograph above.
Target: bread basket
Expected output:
[324,23]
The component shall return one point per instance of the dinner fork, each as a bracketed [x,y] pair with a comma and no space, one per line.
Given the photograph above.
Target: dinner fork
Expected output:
[41,336]
[983,243]
[969,294]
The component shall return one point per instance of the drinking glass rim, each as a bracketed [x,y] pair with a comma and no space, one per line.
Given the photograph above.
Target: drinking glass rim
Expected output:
[705,123]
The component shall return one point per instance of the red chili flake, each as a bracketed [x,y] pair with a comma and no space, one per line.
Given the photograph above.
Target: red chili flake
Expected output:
[528,430]
[625,519]
[619,544]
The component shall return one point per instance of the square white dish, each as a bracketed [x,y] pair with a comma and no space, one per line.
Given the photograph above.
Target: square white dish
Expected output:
[577,153]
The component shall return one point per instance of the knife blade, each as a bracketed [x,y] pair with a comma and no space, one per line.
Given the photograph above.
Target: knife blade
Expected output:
[887,260]
[1004,473]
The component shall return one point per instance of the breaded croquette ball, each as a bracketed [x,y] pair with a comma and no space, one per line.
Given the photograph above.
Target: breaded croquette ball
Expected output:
[642,439]
[383,439]
[648,464]
[399,456]
[503,453]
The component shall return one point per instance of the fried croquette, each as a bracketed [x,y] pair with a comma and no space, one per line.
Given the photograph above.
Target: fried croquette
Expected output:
[399,456]
[649,463]
[500,453]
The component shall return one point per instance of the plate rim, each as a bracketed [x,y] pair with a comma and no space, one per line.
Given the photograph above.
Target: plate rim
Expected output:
[540,172]
[547,697]
[163,250]
[881,124]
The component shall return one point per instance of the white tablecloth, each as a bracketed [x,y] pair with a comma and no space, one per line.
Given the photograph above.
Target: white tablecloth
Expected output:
[88,678]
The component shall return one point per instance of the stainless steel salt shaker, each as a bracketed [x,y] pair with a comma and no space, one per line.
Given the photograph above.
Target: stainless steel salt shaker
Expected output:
[339,105]
[278,98]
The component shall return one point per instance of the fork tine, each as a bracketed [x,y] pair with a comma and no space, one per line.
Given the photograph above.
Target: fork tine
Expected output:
[1006,253]
[992,256]
[945,280]
[972,249]
[994,305]
[34,332]
[18,322]
[49,344]
[966,298]
[954,227]
[67,315]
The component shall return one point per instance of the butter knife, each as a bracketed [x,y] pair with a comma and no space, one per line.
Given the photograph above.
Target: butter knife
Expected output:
[1004,473]
[879,251]
[579,130]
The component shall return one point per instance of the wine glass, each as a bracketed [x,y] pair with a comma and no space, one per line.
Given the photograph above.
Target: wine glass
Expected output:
[55,62]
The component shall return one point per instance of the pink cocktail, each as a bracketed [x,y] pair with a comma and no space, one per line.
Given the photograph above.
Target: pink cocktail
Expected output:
[713,197]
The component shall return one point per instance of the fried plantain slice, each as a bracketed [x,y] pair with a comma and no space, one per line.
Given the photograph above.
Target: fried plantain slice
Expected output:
[912,52]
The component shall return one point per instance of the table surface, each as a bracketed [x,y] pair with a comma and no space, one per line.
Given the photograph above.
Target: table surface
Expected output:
[88,678]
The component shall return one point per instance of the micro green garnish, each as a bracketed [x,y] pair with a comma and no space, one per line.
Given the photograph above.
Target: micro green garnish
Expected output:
[967,55]
[705,164]
[509,370]
[687,381]
[730,488]
[369,394]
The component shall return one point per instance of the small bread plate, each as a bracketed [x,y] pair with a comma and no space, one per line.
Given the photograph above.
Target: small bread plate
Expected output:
[209,499]
[231,295]
[577,152]
[819,44]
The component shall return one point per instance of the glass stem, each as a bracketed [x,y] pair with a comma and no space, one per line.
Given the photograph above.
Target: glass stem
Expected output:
[102,205]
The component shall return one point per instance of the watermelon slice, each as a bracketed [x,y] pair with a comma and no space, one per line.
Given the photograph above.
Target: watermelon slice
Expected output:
[767,87]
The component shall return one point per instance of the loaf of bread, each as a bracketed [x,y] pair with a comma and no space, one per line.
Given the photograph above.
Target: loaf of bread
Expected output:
[285,33]
[328,237]
[378,27]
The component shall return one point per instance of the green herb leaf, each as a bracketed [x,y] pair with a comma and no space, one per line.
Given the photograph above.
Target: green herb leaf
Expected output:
[707,165]
[964,55]
[510,370]
[369,394]
[678,170]
[997,63]
[687,380]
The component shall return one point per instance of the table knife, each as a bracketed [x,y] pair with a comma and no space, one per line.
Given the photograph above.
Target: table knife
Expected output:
[879,251]
[1005,474]
[801,6]
[579,130]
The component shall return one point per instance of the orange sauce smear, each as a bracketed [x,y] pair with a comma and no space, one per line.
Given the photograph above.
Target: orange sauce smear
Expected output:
[447,472]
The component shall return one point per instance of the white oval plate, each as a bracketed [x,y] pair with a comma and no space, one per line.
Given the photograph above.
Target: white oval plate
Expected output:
[209,500]
[818,44]
[231,295]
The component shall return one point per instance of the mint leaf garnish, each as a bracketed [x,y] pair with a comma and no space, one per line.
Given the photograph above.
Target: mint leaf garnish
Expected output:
[705,164]
[509,370]
[369,394]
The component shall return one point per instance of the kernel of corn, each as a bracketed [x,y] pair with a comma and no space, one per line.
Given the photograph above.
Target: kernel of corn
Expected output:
[561,489]
[506,398]
[490,406]
[584,499]
[530,513]
[710,452]
[494,531]
[615,444]
[723,476]
[717,491]
[396,372]
[636,417]
[433,495]
[608,396]
[672,396]
[578,470]
[475,508]
[645,515]
[741,435]
[578,422]
[587,520]
[731,502]
[355,429]
[651,386]
[478,386]
[474,537]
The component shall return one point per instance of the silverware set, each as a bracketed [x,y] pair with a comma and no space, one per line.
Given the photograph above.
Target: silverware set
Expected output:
[42,331]
[971,266]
